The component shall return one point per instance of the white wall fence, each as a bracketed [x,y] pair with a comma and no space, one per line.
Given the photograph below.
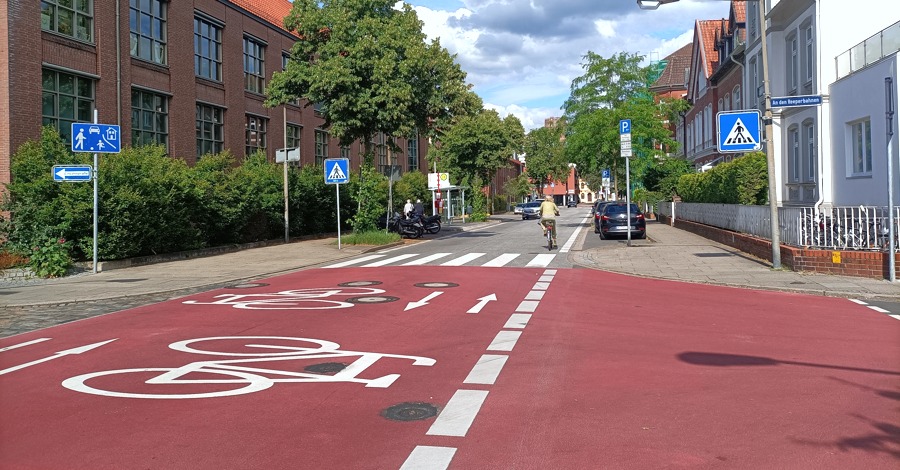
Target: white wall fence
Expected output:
[841,228]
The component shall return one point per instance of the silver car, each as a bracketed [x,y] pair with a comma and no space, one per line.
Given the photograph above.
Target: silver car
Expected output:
[531,210]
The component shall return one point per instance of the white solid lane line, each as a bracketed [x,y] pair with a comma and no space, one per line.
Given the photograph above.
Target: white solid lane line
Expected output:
[429,458]
[456,418]
[571,241]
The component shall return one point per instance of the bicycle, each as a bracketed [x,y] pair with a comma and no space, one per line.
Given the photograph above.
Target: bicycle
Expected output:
[548,231]
[203,379]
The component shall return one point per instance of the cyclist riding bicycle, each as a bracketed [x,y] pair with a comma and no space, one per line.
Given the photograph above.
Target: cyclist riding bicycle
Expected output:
[549,211]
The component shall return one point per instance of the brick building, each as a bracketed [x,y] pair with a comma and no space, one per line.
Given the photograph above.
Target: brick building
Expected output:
[189,75]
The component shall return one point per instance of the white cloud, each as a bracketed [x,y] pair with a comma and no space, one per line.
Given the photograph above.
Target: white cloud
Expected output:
[522,55]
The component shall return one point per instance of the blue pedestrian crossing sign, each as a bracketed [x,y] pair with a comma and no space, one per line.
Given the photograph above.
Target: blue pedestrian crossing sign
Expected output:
[738,131]
[95,138]
[337,170]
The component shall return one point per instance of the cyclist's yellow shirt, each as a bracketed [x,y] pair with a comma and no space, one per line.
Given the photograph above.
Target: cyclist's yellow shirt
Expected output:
[548,210]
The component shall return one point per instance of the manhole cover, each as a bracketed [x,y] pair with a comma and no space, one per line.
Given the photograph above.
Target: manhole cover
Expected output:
[326,368]
[410,411]
[372,299]
[248,285]
[359,283]
[436,285]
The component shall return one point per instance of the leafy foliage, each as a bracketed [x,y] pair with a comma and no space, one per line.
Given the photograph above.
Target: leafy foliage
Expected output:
[412,185]
[742,181]
[371,191]
[50,258]
[545,159]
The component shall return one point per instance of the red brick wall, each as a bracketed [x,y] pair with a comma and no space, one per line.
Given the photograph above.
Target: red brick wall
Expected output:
[29,47]
[866,264]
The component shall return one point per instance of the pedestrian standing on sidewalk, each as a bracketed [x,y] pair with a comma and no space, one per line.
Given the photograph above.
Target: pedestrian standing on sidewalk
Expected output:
[407,209]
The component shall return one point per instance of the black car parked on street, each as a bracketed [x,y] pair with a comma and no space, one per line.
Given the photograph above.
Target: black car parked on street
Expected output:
[614,220]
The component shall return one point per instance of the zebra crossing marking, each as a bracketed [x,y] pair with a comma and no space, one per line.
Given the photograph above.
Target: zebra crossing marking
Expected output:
[387,261]
[463,259]
[501,260]
[427,259]
[354,261]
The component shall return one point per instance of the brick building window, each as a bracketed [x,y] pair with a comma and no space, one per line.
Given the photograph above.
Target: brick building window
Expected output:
[254,65]
[412,153]
[210,129]
[148,30]
[66,98]
[345,151]
[74,18]
[149,118]
[255,136]
[293,136]
[207,49]
[381,149]
[321,147]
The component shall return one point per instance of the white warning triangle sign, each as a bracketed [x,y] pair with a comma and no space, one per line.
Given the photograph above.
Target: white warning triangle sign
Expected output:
[336,173]
[739,135]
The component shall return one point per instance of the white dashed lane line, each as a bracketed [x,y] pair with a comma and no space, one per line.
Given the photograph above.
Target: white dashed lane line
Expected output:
[875,308]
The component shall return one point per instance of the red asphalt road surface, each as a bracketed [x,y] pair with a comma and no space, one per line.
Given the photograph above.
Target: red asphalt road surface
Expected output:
[610,372]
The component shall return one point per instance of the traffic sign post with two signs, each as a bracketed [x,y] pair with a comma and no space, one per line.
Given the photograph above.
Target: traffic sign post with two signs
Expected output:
[337,172]
[625,148]
[738,131]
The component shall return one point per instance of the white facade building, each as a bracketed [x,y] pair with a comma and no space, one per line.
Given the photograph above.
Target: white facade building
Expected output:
[804,40]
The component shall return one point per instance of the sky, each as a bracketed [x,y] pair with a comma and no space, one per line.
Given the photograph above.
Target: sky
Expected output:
[522,55]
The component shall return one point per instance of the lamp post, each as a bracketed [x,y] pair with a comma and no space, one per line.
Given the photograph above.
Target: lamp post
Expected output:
[767,120]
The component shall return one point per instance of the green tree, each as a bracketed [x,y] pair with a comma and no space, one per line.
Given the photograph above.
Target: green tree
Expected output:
[613,89]
[545,157]
[477,146]
[369,68]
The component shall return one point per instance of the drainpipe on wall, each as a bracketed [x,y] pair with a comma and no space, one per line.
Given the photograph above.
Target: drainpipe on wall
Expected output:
[118,66]
[820,159]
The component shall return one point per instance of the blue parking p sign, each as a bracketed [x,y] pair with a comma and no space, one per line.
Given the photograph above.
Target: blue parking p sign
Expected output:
[337,170]
[738,131]
[95,138]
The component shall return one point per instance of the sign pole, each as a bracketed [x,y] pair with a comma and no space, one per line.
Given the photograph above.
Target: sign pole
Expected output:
[628,197]
[337,193]
[96,209]
[770,145]
[287,225]
[889,115]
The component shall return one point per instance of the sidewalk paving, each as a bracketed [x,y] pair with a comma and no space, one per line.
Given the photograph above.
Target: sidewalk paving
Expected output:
[669,253]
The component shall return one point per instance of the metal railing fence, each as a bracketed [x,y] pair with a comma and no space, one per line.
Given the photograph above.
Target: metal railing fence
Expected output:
[840,228]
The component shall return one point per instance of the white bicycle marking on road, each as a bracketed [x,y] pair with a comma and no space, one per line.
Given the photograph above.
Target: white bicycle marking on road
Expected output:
[240,373]
[295,299]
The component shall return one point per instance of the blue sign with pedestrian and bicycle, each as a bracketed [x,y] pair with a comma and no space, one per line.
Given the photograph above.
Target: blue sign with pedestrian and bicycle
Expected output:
[95,138]
[738,131]
[72,173]
[337,170]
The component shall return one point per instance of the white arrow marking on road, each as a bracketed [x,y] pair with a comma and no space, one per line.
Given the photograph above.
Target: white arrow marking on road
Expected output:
[77,350]
[27,343]
[423,302]
[482,302]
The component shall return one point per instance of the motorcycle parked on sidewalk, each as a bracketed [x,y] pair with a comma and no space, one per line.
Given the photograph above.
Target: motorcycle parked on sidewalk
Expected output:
[431,223]
[409,228]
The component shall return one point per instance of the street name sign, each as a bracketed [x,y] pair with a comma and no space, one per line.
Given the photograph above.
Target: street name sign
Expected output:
[337,170]
[738,131]
[794,101]
[95,138]
[72,173]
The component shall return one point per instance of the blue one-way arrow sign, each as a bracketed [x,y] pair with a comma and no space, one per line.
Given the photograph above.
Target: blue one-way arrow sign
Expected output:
[72,173]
